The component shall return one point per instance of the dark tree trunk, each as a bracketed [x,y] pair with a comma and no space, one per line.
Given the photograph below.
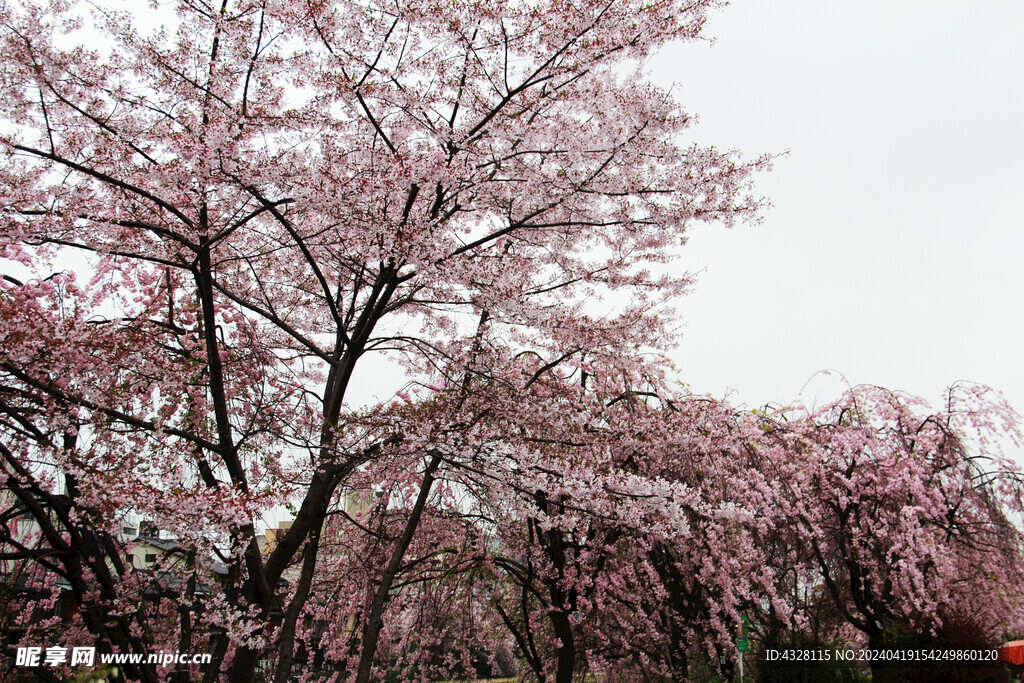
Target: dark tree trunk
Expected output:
[375,619]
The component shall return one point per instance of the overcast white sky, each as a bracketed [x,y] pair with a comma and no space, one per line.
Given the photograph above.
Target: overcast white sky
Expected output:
[893,250]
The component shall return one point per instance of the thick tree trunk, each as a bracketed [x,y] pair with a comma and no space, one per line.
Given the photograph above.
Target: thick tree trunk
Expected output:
[566,648]
[562,602]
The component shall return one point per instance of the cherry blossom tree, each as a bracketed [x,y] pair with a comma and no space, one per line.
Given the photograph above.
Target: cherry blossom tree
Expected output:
[602,474]
[907,518]
[262,194]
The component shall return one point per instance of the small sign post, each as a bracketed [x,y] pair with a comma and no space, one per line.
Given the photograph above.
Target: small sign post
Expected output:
[743,640]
